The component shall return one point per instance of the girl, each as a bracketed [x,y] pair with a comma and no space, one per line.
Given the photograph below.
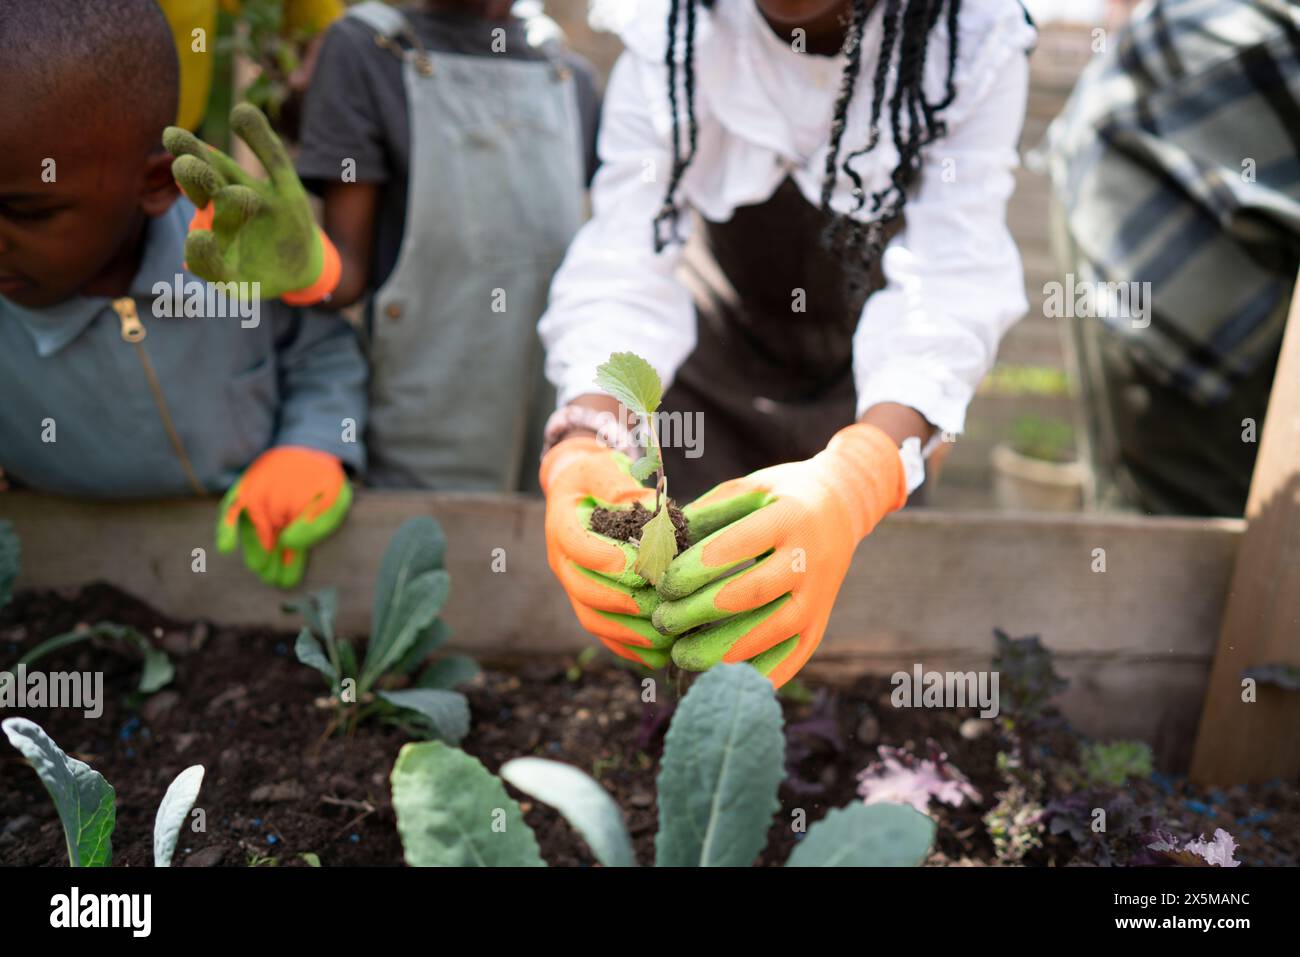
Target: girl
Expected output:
[800,222]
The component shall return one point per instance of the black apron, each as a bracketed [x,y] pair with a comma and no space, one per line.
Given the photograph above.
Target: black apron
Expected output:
[767,383]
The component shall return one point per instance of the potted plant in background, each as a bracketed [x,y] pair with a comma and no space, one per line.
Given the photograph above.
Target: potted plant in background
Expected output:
[1038,469]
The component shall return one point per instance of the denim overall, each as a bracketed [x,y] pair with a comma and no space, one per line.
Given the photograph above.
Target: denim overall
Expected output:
[458,396]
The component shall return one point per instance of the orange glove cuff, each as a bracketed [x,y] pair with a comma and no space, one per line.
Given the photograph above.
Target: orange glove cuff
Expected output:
[328,280]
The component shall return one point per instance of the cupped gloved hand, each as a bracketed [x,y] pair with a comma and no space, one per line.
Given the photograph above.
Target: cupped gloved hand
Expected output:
[773,549]
[251,230]
[611,600]
[287,501]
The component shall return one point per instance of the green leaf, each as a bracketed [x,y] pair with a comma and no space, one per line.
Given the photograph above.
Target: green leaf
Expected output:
[444,713]
[409,592]
[309,652]
[452,813]
[10,561]
[1112,764]
[429,641]
[631,380]
[866,835]
[722,764]
[418,604]
[657,547]
[320,610]
[83,798]
[157,671]
[585,805]
[449,672]
[417,546]
[646,466]
[172,812]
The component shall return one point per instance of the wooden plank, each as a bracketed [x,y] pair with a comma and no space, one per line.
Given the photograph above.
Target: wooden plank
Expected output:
[1258,740]
[927,587]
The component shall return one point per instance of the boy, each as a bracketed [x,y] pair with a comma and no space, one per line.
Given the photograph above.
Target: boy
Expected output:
[118,378]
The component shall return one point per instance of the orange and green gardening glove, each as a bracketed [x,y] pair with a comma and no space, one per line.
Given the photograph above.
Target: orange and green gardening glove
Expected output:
[287,501]
[798,524]
[611,600]
[252,230]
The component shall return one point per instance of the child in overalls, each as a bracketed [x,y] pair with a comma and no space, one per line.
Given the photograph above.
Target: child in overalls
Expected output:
[451,143]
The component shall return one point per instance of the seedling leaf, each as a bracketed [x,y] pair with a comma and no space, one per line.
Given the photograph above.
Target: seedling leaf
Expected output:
[310,653]
[418,546]
[416,602]
[631,380]
[433,638]
[445,712]
[452,813]
[866,835]
[585,805]
[449,672]
[83,798]
[319,610]
[646,466]
[172,812]
[721,768]
[657,548]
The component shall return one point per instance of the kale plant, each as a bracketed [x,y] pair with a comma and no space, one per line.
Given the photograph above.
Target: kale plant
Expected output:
[718,782]
[85,800]
[405,629]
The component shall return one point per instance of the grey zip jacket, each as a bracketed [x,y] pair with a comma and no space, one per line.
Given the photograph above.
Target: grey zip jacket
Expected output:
[174,389]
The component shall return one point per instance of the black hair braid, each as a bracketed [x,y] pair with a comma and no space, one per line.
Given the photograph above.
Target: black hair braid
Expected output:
[852,51]
[914,120]
[668,212]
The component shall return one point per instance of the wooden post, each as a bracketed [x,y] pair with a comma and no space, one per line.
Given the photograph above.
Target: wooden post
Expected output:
[1240,740]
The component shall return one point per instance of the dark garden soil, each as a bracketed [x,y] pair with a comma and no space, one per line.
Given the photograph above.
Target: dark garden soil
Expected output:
[625,524]
[275,790]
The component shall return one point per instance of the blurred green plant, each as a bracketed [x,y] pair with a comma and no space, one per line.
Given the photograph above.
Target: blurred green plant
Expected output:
[1049,440]
[1025,380]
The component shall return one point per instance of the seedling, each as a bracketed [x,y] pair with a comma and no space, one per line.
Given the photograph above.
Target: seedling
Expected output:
[405,629]
[660,534]
[85,800]
[718,782]
[156,673]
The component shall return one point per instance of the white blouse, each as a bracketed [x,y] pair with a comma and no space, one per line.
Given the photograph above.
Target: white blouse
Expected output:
[953,280]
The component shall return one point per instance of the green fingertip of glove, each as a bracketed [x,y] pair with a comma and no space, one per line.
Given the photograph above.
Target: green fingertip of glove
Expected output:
[704,649]
[769,659]
[642,628]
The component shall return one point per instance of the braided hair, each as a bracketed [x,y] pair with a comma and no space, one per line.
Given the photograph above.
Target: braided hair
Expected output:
[914,121]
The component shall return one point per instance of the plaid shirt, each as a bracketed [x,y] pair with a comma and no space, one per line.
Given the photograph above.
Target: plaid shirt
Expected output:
[1177,163]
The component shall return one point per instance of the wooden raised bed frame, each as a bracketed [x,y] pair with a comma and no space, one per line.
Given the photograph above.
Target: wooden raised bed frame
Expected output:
[927,586]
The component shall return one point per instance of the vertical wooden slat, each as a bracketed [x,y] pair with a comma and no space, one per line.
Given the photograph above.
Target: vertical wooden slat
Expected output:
[1239,740]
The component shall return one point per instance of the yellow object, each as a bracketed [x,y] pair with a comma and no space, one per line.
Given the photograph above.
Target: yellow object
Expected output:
[196,50]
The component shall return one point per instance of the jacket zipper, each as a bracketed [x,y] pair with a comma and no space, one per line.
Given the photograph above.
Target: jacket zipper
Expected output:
[134,332]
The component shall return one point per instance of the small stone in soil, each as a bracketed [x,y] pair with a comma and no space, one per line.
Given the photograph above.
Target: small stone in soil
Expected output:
[208,857]
[625,524]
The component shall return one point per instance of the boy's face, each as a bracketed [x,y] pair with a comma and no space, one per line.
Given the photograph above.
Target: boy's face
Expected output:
[72,200]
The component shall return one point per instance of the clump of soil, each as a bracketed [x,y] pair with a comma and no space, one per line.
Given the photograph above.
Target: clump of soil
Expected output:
[625,524]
